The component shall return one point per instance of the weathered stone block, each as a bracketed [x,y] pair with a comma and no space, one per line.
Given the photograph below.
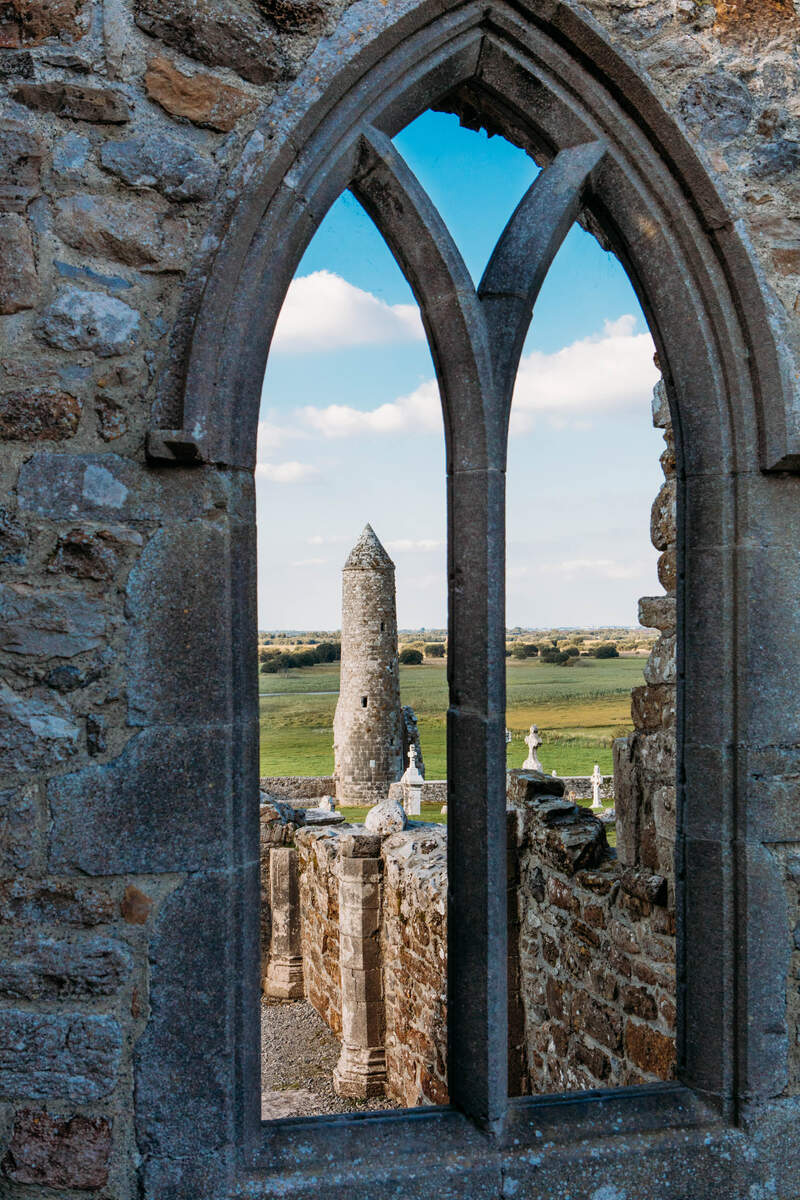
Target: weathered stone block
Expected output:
[644,886]
[663,516]
[25,901]
[524,787]
[17,830]
[136,906]
[661,667]
[13,540]
[154,808]
[42,624]
[67,1056]
[19,281]
[651,1050]
[599,1020]
[198,98]
[36,730]
[21,154]
[176,604]
[37,20]
[70,155]
[653,708]
[79,320]
[357,921]
[137,232]
[37,967]
[718,105]
[192,976]
[58,1151]
[215,33]
[40,415]
[294,16]
[112,417]
[358,845]
[106,487]
[668,570]
[74,101]
[86,555]
[170,166]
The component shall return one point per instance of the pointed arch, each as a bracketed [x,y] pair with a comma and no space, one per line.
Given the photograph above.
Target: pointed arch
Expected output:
[546,78]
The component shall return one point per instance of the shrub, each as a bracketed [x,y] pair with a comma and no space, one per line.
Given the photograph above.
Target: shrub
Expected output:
[434,650]
[606,650]
[572,651]
[525,650]
[410,657]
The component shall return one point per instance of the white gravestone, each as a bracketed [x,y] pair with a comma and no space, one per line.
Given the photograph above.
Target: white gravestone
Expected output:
[412,785]
[597,780]
[533,742]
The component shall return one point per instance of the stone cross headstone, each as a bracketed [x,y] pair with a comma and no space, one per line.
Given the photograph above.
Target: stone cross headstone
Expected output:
[533,742]
[597,780]
[412,785]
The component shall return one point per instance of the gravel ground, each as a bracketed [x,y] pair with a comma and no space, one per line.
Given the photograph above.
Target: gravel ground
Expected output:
[298,1054]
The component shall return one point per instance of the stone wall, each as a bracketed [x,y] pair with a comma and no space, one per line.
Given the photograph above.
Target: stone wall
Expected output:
[414,945]
[318,853]
[298,787]
[645,762]
[591,951]
[596,951]
[581,786]
[434,791]
[121,125]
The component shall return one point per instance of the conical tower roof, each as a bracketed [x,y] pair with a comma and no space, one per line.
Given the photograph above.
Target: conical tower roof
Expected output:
[368,554]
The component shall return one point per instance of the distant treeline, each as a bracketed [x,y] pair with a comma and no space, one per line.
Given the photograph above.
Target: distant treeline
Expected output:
[562,655]
[273,660]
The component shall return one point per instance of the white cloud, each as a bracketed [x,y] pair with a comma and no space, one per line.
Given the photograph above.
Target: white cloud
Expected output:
[322,311]
[411,546]
[309,562]
[286,472]
[611,371]
[418,412]
[606,568]
[600,374]
[271,436]
[318,539]
[582,568]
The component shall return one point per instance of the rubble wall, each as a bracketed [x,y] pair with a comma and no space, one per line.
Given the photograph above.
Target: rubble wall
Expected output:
[318,853]
[596,951]
[414,945]
[591,951]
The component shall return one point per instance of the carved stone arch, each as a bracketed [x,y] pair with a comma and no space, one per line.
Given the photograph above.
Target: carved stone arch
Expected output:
[548,79]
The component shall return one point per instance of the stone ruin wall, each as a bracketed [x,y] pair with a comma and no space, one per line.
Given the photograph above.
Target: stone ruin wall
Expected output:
[645,762]
[414,952]
[298,787]
[596,950]
[120,122]
[317,852]
[591,951]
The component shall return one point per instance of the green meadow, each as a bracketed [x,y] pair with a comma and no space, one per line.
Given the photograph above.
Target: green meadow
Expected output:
[579,710]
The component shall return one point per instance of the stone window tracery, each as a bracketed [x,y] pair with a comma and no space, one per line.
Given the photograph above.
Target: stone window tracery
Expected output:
[552,84]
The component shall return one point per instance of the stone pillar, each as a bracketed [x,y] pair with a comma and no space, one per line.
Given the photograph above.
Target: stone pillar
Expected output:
[361,1070]
[284,977]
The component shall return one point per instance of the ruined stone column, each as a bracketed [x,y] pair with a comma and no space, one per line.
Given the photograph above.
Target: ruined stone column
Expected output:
[284,977]
[361,1070]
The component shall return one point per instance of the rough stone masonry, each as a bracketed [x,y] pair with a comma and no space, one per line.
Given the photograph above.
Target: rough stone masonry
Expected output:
[121,123]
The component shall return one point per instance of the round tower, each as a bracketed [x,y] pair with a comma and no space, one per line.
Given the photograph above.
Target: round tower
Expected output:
[367,727]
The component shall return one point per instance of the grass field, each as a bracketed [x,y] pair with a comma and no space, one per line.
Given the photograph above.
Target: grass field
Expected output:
[578,709]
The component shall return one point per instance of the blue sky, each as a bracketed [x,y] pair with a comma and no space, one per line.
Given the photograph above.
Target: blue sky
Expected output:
[350,428]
